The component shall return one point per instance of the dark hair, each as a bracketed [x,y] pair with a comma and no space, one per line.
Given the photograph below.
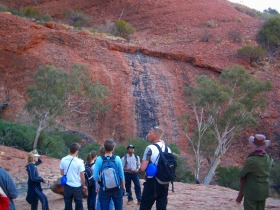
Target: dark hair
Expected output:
[109,145]
[74,147]
[91,156]
[102,151]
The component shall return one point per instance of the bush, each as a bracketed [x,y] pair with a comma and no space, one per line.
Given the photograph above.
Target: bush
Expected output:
[123,29]
[254,54]
[235,36]
[77,18]
[269,35]
[3,8]
[31,12]
[17,135]
[228,177]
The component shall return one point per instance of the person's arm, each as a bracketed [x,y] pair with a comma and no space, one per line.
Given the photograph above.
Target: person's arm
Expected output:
[97,167]
[38,162]
[138,163]
[61,172]
[12,191]
[31,170]
[240,194]
[146,158]
[121,172]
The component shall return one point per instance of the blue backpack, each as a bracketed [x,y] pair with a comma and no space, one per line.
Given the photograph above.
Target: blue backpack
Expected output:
[109,176]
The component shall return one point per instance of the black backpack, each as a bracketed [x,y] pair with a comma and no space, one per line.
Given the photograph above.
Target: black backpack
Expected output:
[88,175]
[166,167]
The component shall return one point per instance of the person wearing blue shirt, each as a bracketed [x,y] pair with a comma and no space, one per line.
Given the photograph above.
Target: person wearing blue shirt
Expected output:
[115,194]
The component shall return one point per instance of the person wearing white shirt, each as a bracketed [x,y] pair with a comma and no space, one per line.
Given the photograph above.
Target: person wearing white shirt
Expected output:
[74,169]
[131,165]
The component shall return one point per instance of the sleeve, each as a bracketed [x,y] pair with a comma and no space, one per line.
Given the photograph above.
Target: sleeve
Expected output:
[12,191]
[120,167]
[123,162]
[138,163]
[81,166]
[38,162]
[147,154]
[97,167]
[61,164]
[247,168]
[31,170]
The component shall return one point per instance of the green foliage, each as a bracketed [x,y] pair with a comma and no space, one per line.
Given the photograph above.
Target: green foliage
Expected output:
[77,18]
[275,177]
[17,135]
[248,11]
[269,35]
[3,8]
[235,36]
[174,148]
[228,177]
[227,105]
[49,92]
[123,29]
[31,12]
[54,92]
[183,172]
[254,54]
[271,11]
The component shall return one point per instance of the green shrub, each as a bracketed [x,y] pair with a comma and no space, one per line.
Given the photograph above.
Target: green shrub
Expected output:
[254,54]
[269,35]
[228,177]
[31,12]
[77,18]
[206,36]
[183,172]
[235,36]
[17,135]
[123,29]
[3,8]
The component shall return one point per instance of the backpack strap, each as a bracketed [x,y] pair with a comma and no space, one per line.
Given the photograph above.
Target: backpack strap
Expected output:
[69,166]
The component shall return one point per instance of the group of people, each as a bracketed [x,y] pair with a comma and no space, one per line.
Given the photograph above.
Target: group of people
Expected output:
[254,182]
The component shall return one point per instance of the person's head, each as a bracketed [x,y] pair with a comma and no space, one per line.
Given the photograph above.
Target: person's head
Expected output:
[74,148]
[130,149]
[102,151]
[259,142]
[33,156]
[91,156]
[109,145]
[154,134]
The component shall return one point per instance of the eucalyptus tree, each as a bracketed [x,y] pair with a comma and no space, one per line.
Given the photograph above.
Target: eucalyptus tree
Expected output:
[221,109]
[56,92]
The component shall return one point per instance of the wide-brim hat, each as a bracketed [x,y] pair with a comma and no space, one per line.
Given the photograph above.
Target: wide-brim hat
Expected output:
[33,153]
[259,142]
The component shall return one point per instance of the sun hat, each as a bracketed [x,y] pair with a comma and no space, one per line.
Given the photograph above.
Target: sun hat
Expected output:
[33,153]
[130,146]
[259,142]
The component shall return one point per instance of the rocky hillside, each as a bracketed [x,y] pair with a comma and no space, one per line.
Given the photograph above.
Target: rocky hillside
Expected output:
[147,75]
[186,196]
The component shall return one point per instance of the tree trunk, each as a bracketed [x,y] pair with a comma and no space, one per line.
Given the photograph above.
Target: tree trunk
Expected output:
[212,170]
[38,133]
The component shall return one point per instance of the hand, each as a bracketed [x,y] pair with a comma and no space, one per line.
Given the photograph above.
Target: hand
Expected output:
[239,198]
[84,188]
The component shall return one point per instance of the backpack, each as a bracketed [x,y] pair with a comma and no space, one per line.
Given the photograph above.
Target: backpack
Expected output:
[89,175]
[109,176]
[166,167]
[125,161]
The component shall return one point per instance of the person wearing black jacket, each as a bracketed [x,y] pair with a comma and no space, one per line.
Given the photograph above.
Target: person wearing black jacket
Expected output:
[35,192]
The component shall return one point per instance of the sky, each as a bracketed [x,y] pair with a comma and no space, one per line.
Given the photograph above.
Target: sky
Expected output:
[260,4]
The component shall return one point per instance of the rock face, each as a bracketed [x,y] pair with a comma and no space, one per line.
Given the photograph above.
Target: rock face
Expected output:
[147,75]
[186,196]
